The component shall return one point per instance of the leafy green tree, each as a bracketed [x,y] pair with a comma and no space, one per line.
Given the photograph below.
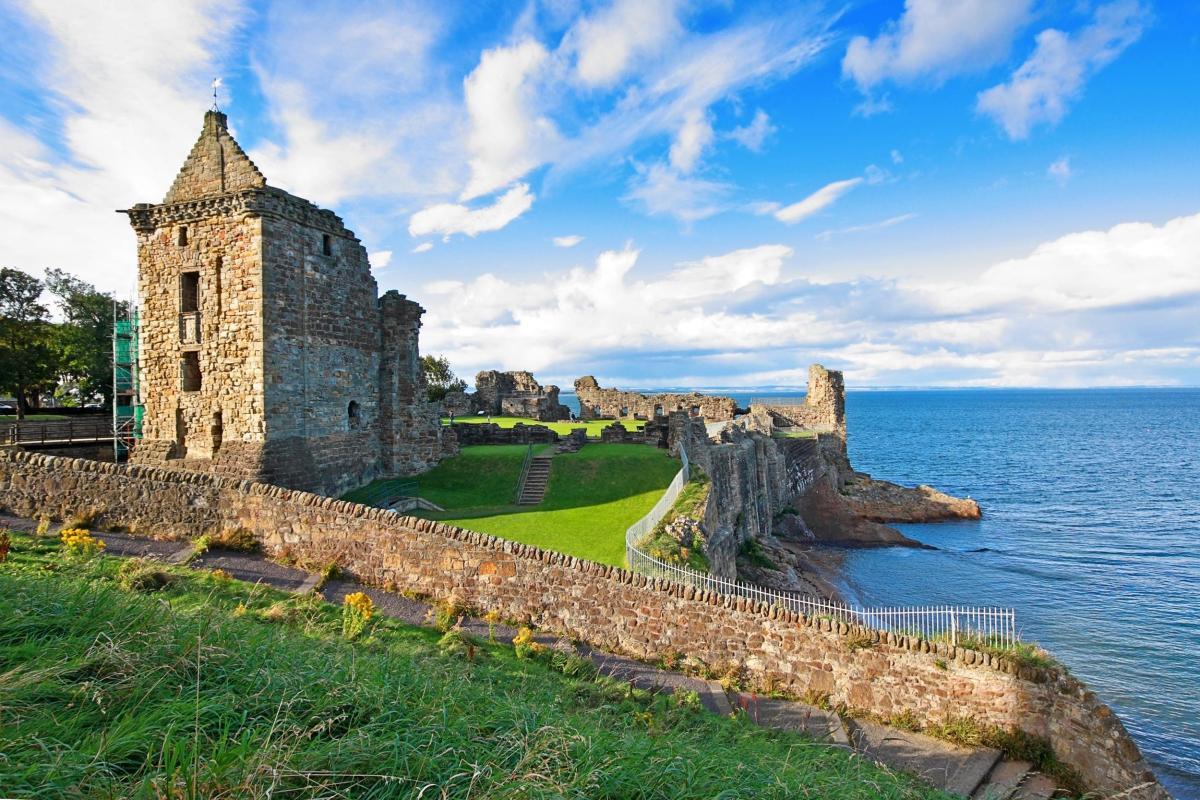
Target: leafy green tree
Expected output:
[85,338]
[28,356]
[439,378]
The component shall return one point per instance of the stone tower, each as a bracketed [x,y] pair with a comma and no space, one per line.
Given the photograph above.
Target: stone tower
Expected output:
[266,352]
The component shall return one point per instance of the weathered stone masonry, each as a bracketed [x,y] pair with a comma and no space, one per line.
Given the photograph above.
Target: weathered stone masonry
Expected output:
[598,403]
[610,607]
[266,352]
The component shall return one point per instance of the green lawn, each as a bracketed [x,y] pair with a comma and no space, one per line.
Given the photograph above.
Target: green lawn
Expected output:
[220,689]
[32,418]
[594,495]
[593,426]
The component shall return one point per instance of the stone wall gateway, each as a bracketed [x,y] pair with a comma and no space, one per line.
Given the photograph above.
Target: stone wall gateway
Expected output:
[607,606]
[599,403]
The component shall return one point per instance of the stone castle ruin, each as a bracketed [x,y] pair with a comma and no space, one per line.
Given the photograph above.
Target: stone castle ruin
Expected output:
[510,394]
[266,352]
[599,403]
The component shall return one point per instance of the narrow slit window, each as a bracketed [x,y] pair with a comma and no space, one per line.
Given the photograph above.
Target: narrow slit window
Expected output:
[181,236]
[191,371]
[189,292]
[327,244]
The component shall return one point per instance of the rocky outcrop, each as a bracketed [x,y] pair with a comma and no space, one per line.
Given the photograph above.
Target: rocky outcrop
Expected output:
[880,501]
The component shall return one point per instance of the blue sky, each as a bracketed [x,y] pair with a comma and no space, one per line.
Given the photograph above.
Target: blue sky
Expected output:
[919,192]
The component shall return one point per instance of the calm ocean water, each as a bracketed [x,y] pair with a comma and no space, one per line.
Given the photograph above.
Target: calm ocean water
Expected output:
[1091,531]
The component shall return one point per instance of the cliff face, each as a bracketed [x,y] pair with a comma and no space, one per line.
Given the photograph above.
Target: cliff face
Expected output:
[783,473]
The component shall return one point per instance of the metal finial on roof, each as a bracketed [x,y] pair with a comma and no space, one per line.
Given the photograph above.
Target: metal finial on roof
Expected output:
[216,84]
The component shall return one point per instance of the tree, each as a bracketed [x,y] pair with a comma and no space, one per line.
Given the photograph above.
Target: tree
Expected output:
[28,359]
[439,378]
[85,339]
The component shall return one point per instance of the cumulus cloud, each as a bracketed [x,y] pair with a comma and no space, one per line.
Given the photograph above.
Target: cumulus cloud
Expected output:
[568,317]
[754,136]
[1066,314]
[1040,90]
[1132,264]
[448,219]
[822,198]
[380,259]
[508,138]
[935,40]
[567,241]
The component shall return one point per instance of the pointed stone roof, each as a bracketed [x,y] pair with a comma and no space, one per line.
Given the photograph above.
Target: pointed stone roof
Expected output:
[216,165]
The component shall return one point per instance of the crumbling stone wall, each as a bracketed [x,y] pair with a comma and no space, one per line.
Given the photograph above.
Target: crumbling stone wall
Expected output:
[604,605]
[265,352]
[517,394]
[598,403]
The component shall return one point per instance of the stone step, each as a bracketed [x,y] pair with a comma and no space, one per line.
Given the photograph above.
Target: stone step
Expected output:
[972,771]
[959,770]
[1035,787]
[535,481]
[1002,782]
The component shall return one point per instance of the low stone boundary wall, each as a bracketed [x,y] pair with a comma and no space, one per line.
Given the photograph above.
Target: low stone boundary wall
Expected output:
[610,607]
[474,433]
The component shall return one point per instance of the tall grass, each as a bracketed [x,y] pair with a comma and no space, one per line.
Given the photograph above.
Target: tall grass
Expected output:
[193,692]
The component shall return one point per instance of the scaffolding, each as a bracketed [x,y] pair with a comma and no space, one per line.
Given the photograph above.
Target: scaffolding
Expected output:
[127,402]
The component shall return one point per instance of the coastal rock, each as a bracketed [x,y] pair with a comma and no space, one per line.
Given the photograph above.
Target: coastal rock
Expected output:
[881,501]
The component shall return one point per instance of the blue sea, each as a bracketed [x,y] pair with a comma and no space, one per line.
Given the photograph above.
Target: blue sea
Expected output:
[1091,530]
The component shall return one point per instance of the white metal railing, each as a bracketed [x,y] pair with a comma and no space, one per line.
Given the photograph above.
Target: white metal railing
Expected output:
[996,627]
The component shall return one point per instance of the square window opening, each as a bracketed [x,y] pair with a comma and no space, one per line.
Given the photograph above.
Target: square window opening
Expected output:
[327,244]
[181,236]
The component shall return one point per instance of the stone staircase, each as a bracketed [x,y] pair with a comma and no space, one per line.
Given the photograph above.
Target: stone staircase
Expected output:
[533,485]
[978,773]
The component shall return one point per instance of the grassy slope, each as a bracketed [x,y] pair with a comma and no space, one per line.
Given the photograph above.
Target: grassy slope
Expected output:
[593,497]
[109,694]
[593,426]
[478,476]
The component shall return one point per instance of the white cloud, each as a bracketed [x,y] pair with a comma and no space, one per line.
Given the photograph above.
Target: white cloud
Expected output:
[936,39]
[380,259]
[694,137]
[1060,169]
[890,222]
[609,43]
[822,198]
[565,317]
[130,85]
[567,241]
[448,219]
[423,247]
[754,136]
[897,157]
[349,90]
[1129,264]
[659,189]
[1067,314]
[1054,75]
[508,137]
